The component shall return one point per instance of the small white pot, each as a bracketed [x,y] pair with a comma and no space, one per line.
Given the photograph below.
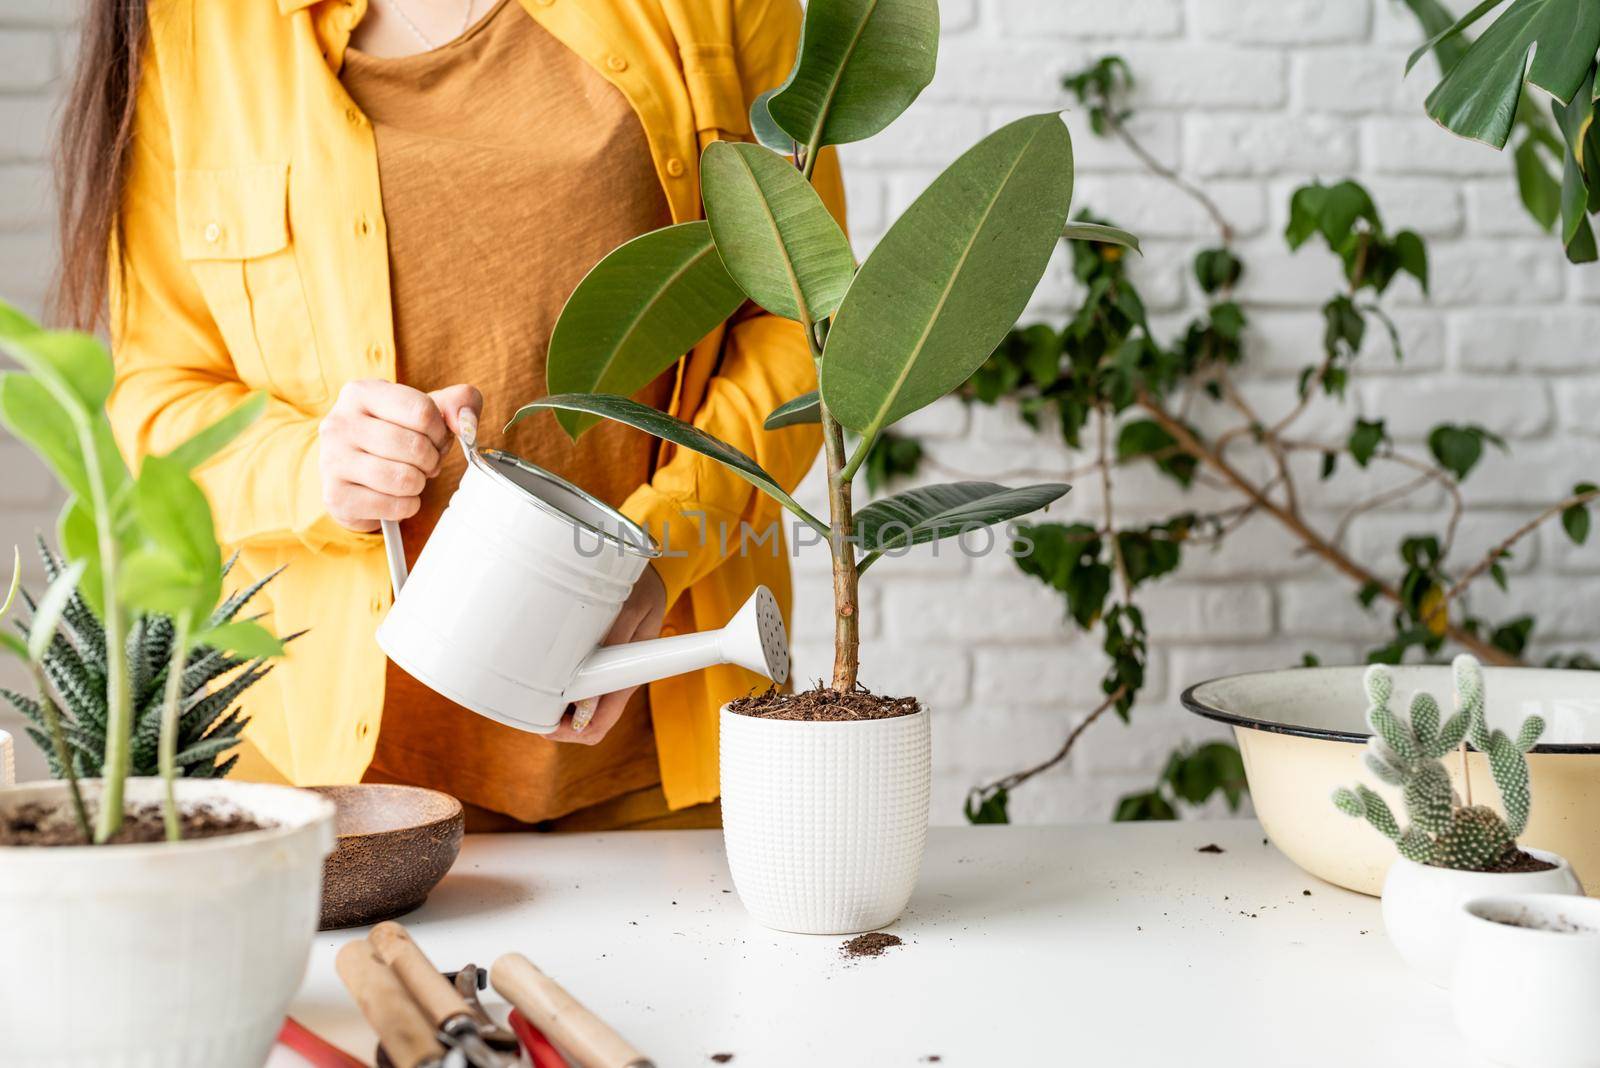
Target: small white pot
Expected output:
[825,823]
[1422,906]
[1526,996]
[160,956]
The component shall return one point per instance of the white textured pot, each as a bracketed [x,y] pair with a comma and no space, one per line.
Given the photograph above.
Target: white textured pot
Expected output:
[160,956]
[1526,996]
[825,823]
[1422,906]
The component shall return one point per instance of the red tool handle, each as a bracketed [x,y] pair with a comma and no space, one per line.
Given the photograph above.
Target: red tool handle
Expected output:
[539,1049]
[315,1049]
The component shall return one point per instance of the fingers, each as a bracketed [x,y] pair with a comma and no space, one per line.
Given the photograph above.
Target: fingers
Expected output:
[452,399]
[389,441]
[401,405]
[358,508]
[592,718]
[387,478]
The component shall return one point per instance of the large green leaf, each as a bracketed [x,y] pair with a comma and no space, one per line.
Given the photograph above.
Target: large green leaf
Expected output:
[948,281]
[1550,43]
[805,408]
[929,513]
[774,234]
[75,367]
[213,439]
[636,312]
[1580,166]
[685,435]
[861,63]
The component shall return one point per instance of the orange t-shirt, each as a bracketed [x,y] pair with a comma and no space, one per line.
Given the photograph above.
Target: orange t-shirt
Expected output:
[508,167]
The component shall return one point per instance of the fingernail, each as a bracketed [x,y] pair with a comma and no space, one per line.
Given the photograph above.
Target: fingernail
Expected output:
[582,713]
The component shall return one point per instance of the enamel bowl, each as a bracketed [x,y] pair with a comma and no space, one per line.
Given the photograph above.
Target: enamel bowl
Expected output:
[1301,732]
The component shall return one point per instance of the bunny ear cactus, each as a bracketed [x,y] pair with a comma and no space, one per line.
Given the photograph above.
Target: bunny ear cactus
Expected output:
[1406,751]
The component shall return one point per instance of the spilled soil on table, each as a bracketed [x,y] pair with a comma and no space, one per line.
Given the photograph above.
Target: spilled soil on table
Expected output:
[871,944]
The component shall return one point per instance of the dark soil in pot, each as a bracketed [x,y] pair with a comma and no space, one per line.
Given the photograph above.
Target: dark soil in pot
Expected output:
[824,705]
[41,824]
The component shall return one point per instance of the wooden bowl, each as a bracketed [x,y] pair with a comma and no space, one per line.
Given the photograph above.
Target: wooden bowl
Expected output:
[1302,731]
[395,844]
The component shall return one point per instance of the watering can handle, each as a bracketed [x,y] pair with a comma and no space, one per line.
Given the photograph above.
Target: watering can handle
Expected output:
[395,550]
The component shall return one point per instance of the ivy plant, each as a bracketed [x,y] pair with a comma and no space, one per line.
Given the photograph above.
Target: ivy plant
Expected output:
[1115,389]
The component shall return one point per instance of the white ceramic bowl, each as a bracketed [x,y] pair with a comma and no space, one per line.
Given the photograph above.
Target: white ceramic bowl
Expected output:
[159,956]
[1525,996]
[1301,733]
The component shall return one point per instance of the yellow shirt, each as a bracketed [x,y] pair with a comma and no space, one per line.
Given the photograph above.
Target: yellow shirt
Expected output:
[254,257]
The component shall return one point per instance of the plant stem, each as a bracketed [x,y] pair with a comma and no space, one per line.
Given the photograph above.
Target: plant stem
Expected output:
[846,577]
[58,740]
[119,725]
[1493,555]
[167,750]
[1017,778]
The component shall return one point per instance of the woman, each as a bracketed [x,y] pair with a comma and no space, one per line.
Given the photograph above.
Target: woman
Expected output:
[374,212]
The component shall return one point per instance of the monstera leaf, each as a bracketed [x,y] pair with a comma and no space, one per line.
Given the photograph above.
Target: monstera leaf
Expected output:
[1549,43]
[636,312]
[773,232]
[861,63]
[929,513]
[685,435]
[950,278]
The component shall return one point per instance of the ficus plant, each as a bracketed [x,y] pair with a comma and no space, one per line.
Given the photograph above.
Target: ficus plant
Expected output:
[1481,95]
[909,325]
[133,544]
[1126,396]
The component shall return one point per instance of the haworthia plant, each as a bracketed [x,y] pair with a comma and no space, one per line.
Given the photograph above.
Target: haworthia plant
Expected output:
[925,310]
[1406,751]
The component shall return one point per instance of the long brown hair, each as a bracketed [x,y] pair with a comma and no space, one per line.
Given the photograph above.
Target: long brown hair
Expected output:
[91,156]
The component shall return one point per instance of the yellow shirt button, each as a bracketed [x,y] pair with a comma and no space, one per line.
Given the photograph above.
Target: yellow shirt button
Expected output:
[213,233]
[675,167]
[377,605]
[363,225]
[375,354]
[353,115]
[617,63]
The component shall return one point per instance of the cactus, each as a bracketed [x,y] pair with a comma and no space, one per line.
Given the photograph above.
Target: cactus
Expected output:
[1407,750]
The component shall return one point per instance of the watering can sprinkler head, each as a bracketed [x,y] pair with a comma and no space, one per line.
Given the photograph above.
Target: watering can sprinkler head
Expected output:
[754,639]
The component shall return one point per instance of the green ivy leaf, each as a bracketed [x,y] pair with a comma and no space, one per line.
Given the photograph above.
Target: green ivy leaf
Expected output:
[1459,448]
[987,807]
[1148,805]
[1575,520]
[1216,269]
[1145,437]
[1365,439]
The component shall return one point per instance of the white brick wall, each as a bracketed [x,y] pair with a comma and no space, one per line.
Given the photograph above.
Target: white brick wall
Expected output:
[1251,97]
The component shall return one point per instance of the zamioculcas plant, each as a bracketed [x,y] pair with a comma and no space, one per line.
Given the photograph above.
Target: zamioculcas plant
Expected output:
[133,545]
[905,328]
[74,663]
[1408,750]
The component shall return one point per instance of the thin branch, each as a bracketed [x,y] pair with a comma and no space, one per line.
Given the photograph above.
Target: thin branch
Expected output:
[1161,170]
[1500,550]
[1313,542]
[1017,778]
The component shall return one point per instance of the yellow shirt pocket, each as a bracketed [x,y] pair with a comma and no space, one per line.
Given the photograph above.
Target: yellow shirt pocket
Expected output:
[715,93]
[233,230]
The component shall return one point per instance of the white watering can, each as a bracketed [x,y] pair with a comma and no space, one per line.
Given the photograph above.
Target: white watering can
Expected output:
[518,585]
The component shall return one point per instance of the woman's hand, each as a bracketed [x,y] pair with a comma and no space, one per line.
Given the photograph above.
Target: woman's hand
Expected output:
[380,443]
[639,619]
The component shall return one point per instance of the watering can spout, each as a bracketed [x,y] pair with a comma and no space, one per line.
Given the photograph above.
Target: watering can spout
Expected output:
[754,639]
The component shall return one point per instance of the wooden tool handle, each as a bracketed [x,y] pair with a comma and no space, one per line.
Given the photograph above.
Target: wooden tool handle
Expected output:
[406,1036]
[581,1034]
[427,986]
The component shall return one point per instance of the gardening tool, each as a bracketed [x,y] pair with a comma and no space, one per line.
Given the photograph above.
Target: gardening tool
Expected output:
[540,1052]
[518,585]
[404,1033]
[443,1006]
[581,1034]
[468,981]
[313,1048]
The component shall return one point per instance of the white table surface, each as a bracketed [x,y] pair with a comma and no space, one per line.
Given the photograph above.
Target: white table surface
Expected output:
[1107,944]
